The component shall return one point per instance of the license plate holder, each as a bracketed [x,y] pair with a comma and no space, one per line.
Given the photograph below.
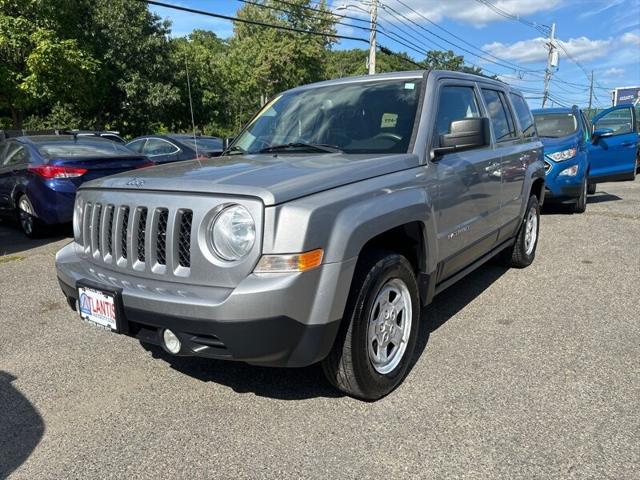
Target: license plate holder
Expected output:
[99,307]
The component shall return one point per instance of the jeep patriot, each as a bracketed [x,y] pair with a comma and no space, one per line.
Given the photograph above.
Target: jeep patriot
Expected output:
[322,233]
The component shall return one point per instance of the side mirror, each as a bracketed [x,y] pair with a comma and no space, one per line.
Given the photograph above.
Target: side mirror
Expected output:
[602,133]
[226,142]
[463,135]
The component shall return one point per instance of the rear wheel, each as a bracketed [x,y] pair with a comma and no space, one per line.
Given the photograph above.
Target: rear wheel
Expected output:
[523,251]
[29,223]
[581,204]
[375,345]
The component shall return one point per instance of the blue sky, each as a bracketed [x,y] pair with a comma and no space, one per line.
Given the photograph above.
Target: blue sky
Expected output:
[603,36]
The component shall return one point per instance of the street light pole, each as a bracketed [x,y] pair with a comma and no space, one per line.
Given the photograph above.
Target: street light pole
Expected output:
[372,37]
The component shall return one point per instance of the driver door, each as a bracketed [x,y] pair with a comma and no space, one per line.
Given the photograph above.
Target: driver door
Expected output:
[613,156]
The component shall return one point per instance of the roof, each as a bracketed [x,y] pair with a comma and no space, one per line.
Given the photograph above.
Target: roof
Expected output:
[62,138]
[552,110]
[415,74]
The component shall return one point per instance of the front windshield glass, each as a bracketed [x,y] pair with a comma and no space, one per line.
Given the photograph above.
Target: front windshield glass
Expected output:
[555,125]
[363,117]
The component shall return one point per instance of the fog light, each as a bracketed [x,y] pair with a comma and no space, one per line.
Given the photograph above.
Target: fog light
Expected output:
[171,341]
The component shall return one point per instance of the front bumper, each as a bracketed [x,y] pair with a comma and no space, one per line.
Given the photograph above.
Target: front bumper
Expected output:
[277,319]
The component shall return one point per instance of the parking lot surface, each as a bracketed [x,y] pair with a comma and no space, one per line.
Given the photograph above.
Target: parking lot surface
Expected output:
[529,373]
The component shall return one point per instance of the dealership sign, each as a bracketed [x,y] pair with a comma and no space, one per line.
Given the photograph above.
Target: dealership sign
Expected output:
[626,96]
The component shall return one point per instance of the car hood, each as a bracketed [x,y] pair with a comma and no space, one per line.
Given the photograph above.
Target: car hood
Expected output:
[552,145]
[272,178]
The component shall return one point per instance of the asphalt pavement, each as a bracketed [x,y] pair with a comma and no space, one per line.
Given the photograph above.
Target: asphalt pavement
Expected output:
[520,374]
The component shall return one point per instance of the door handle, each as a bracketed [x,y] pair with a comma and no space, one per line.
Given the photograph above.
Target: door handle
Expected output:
[627,144]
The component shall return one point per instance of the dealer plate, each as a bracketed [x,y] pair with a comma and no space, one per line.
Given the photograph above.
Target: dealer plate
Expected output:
[98,307]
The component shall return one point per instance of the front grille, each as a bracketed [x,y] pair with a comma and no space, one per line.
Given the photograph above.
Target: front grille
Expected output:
[113,233]
[184,239]
[161,241]
[142,234]
[125,231]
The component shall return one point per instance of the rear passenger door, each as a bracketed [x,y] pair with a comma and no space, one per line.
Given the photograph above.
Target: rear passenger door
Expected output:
[511,151]
[468,184]
[613,157]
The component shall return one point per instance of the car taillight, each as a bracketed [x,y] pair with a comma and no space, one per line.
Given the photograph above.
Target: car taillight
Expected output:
[57,171]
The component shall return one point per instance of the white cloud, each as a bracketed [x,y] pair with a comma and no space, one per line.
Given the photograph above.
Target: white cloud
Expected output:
[462,10]
[535,50]
[631,38]
[613,72]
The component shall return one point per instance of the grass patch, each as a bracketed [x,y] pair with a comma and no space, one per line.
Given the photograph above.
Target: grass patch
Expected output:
[10,258]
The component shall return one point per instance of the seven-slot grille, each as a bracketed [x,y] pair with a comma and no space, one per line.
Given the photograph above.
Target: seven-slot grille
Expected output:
[137,237]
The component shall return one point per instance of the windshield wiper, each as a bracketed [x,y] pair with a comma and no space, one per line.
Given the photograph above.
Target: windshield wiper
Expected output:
[318,147]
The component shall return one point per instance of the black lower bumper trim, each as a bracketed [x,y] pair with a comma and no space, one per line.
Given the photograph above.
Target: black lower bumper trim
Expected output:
[278,341]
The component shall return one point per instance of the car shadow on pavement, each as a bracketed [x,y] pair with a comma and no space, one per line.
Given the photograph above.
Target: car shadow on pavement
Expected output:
[452,300]
[601,197]
[13,241]
[309,382]
[277,383]
[21,426]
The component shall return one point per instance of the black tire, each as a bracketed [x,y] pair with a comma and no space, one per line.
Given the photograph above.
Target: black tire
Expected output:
[591,188]
[518,255]
[349,366]
[29,223]
[581,204]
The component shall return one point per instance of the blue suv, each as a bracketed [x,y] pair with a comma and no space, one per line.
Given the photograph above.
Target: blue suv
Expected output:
[578,155]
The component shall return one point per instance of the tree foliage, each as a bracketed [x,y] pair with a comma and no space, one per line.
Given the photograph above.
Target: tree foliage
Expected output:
[112,64]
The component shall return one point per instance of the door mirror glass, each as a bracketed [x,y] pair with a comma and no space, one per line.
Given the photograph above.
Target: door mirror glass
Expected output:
[463,134]
[602,133]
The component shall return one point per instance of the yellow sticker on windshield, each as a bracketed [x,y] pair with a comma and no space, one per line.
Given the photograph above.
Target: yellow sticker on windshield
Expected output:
[389,120]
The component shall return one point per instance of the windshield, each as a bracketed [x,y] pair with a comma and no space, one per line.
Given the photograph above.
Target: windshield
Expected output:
[203,143]
[82,148]
[555,125]
[364,117]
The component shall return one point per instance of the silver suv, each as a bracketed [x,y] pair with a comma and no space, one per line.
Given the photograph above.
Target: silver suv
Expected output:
[324,231]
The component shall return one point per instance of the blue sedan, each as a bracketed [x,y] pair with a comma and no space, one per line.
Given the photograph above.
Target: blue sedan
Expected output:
[39,175]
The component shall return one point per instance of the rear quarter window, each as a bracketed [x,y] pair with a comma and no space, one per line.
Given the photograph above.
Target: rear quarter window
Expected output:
[525,118]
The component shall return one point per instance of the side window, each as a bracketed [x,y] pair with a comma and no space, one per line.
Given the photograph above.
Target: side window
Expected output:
[157,146]
[501,119]
[16,154]
[137,145]
[620,121]
[524,116]
[456,103]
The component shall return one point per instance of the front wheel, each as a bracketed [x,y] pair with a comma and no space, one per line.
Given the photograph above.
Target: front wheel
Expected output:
[376,342]
[581,204]
[523,251]
[591,188]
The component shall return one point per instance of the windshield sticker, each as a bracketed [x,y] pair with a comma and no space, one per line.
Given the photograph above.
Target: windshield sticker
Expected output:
[409,86]
[389,120]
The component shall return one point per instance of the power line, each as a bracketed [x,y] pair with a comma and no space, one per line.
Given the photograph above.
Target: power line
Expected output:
[251,22]
[544,29]
[315,9]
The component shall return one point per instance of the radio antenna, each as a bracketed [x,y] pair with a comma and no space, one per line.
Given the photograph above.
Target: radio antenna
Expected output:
[193,122]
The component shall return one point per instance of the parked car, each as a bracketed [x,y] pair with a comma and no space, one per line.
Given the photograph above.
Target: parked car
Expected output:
[108,134]
[39,175]
[176,147]
[337,215]
[576,158]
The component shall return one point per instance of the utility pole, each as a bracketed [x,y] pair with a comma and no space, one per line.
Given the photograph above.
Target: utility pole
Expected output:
[372,37]
[552,61]
[590,92]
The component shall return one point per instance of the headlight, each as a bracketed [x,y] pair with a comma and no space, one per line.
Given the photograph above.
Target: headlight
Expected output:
[563,155]
[233,233]
[569,172]
[77,219]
